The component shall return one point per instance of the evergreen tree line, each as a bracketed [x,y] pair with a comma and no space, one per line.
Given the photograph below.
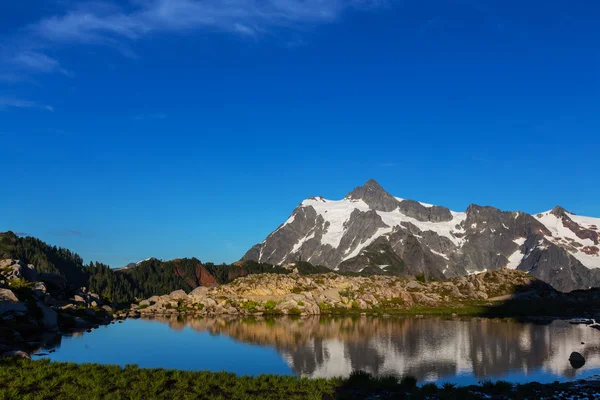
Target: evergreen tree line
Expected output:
[148,278]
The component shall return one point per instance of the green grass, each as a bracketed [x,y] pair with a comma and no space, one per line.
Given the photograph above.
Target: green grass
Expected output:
[42,379]
[270,305]
[24,379]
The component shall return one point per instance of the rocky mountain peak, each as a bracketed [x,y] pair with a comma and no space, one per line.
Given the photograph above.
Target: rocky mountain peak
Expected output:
[372,232]
[375,196]
[559,212]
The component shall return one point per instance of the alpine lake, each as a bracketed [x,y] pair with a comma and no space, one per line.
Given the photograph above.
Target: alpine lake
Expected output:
[458,350]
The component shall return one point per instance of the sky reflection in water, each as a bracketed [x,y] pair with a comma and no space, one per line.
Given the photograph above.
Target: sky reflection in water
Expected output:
[432,349]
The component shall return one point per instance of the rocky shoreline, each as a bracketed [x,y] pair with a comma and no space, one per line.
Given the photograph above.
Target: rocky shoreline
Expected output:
[36,308]
[487,293]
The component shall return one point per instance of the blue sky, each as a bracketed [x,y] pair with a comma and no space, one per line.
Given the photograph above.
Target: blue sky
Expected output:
[175,128]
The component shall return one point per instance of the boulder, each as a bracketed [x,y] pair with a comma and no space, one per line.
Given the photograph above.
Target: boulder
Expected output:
[89,312]
[16,353]
[78,299]
[414,286]
[29,273]
[576,360]
[10,304]
[49,317]
[286,306]
[208,302]
[108,309]
[199,293]
[17,269]
[154,299]
[39,290]
[312,308]
[67,307]
[54,281]
[178,294]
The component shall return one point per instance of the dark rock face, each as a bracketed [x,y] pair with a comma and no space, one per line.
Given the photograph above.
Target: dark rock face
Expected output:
[405,237]
[416,210]
[374,195]
[557,267]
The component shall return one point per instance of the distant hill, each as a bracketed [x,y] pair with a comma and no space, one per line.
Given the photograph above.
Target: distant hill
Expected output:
[138,280]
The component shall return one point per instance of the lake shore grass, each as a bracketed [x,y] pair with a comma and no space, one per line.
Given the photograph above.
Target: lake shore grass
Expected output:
[42,379]
[550,308]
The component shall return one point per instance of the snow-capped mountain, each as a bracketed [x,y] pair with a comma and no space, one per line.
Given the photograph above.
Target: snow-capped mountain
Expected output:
[372,231]
[134,264]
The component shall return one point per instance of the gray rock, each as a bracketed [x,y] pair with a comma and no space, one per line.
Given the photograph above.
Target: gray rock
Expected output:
[16,353]
[49,317]
[199,293]
[178,294]
[208,302]
[10,304]
[576,360]
[54,281]
[39,290]
[18,270]
[375,196]
[108,309]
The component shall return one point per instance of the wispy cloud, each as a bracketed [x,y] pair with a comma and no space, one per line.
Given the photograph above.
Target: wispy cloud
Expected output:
[10,102]
[38,62]
[32,50]
[91,24]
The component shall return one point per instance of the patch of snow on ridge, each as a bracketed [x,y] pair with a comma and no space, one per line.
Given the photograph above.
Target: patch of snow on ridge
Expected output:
[520,241]
[298,245]
[515,258]
[362,245]
[558,230]
[440,254]
[395,218]
[337,213]
[586,222]
[560,233]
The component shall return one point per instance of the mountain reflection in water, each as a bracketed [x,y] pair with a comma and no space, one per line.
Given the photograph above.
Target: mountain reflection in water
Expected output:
[431,349]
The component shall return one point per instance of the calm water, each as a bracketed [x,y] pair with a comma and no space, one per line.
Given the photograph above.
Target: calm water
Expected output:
[461,351]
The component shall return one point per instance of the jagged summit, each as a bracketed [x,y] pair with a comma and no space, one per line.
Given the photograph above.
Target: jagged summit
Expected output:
[560,211]
[372,231]
[374,196]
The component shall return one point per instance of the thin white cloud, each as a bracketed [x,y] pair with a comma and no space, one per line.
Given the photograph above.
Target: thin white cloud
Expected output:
[246,17]
[38,62]
[9,102]
[26,53]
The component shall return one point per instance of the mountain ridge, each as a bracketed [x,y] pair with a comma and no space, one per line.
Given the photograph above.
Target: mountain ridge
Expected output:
[418,238]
